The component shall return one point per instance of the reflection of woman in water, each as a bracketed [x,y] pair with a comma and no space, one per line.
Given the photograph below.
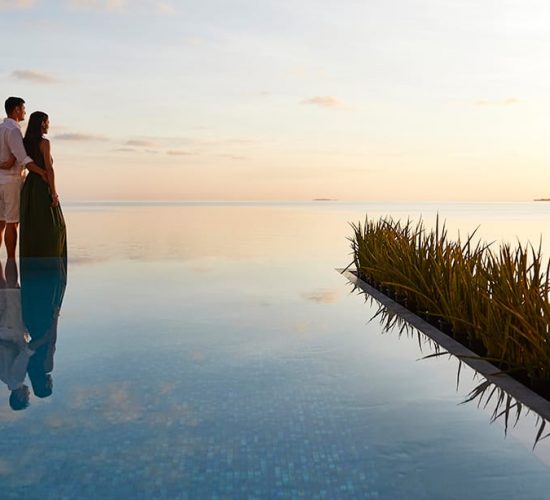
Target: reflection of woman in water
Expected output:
[43,284]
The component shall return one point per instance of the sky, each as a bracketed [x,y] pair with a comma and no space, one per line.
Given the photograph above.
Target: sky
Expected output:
[401,100]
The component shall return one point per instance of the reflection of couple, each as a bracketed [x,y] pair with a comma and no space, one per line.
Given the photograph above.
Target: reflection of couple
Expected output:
[33,200]
[28,326]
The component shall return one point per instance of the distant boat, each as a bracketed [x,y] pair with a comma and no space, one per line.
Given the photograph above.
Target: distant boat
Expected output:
[324,199]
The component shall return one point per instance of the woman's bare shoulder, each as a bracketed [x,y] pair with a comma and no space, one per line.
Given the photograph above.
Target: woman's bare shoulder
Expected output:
[44,144]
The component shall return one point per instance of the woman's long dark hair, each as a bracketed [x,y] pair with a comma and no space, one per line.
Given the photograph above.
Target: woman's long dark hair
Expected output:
[33,135]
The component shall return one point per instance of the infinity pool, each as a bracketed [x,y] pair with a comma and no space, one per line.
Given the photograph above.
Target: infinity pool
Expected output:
[212,351]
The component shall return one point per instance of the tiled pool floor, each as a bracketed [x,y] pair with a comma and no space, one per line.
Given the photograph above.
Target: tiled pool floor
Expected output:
[242,367]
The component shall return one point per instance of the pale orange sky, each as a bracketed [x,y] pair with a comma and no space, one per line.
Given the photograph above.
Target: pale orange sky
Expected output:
[409,100]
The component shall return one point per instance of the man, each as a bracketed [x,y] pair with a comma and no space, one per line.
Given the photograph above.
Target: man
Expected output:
[11,177]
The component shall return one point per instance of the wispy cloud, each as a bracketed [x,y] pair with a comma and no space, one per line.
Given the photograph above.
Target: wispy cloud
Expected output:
[126,6]
[178,152]
[229,148]
[510,101]
[326,101]
[33,76]
[110,5]
[164,8]
[141,143]
[16,4]
[243,141]
[232,157]
[80,137]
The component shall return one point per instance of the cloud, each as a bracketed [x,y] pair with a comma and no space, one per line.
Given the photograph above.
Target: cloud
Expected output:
[141,143]
[233,157]
[321,296]
[178,152]
[80,137]
[33,76]
[126,6]
[241,141]
[124,150]
[324,102]
[16,4]
[165,8]
[111,5]
[510,101]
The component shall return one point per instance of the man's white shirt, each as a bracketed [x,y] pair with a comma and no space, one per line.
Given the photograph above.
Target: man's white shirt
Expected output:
[14,350]
[11,142]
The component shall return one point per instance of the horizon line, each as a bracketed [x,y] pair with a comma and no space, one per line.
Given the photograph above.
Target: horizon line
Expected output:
[314,200]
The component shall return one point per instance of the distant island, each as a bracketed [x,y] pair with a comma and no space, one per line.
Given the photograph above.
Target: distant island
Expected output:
[324,199]
[541,199]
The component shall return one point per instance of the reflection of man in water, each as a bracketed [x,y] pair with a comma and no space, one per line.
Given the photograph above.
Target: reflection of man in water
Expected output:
[15,351]
[43,284]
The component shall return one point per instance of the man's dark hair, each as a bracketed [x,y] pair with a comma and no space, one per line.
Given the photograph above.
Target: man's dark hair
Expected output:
[11,103]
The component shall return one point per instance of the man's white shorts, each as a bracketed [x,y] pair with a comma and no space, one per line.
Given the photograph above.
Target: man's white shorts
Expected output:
[9,201]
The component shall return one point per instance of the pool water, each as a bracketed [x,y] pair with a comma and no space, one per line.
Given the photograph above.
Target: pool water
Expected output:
[211,350]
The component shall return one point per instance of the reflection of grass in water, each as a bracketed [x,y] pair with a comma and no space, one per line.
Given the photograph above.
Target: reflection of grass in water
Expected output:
[504,406]
[484,393]
[494,302]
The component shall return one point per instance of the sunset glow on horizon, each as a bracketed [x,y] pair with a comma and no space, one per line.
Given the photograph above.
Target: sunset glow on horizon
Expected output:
[414,100]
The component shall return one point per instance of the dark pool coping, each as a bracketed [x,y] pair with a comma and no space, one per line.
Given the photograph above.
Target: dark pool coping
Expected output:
[516,389]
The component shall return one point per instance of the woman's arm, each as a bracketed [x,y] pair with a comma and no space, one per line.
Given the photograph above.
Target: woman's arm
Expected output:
[46,151]
[6,165]
[32,167]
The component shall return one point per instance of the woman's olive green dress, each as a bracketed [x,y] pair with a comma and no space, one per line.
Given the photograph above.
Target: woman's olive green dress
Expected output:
[42,227]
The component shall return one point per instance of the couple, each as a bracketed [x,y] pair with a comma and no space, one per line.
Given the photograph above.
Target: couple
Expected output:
[31,200]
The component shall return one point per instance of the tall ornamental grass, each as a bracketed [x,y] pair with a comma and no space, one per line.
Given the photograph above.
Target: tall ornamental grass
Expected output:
[494,301]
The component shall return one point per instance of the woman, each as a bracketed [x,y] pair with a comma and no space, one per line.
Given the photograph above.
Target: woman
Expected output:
[43,232]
